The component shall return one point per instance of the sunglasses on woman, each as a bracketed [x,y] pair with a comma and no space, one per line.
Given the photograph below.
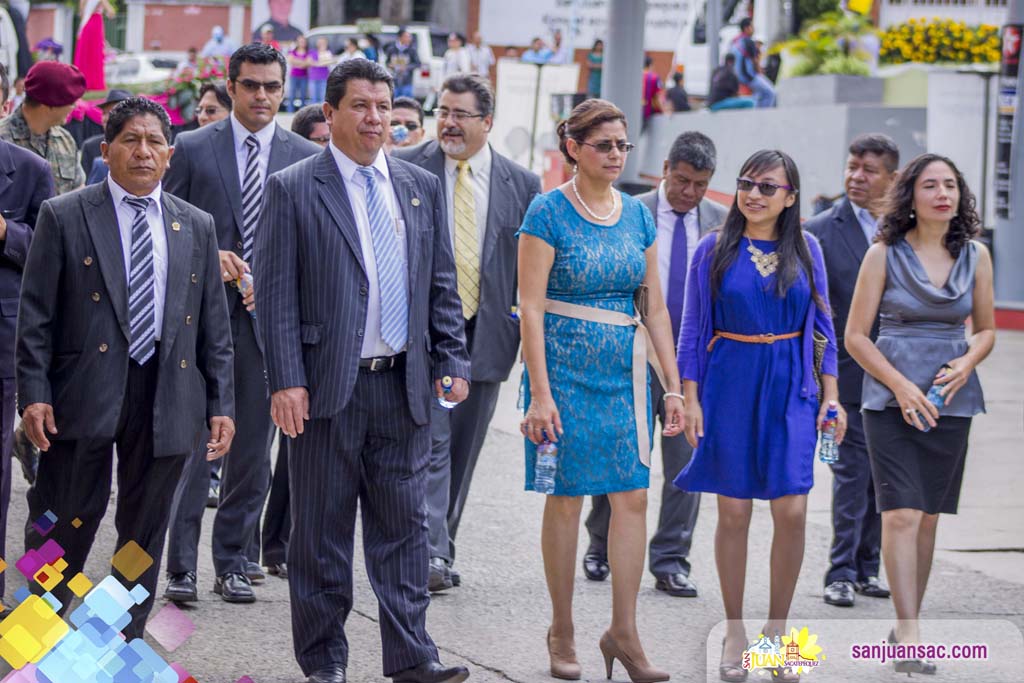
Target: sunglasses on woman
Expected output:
[605,146]
[765,188]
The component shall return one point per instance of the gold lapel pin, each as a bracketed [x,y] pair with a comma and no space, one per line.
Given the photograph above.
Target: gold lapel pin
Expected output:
[175,226]
[415,201]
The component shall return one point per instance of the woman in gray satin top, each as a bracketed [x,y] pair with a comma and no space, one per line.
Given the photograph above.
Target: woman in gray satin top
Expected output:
[922,279]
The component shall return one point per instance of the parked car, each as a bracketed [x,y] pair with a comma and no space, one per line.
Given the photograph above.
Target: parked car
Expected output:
[430,41]
[135,68]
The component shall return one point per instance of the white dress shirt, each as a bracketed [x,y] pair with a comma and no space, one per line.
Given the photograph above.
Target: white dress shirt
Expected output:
[265,136]
[373,344]
[868,223]
[666,222]
[155,216]
[480,178]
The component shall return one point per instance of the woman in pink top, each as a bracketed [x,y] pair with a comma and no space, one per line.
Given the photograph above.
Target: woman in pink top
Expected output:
[299,59]
[320,65]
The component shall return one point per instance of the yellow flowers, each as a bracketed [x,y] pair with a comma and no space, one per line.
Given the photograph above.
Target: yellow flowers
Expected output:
[940,40]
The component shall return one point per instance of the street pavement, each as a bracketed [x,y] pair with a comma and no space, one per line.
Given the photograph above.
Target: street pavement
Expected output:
[496,622]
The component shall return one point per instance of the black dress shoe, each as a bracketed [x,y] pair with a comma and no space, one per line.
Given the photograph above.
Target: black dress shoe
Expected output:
[595,567]
[234,588]
[440,578]
[332,674]
[279,570]
[181,588]
[254,572]
[455,576]
[839,593]
[872,588]
[677,585]
[432,672]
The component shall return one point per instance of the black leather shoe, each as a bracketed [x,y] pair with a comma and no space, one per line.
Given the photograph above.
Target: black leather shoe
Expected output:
[839,593]
[279,570]
[332,674]
[432,672]
[595,567]
[234,588]
[677,585]
[872,588]
[181,587]
[455,576]
[26,454]
[254,572]
[440,578]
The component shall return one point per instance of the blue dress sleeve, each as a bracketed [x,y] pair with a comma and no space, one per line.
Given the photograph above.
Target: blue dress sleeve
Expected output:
[650,228]
[823,318]
[690,352]
[538,220]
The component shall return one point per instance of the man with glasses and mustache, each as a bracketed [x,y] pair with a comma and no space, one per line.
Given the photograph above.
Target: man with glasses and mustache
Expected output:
[487,196]
[222,169]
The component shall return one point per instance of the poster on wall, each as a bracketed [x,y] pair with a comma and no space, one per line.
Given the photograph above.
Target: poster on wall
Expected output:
[1007,111]
[286,19]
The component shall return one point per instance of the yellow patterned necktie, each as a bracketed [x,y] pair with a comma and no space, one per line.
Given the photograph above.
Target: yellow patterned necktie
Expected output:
[467,243]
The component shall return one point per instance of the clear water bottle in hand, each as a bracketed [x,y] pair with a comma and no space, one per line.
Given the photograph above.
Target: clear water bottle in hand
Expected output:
[545,468]
[244,285]
[446,387]
[936,398]
[828,449]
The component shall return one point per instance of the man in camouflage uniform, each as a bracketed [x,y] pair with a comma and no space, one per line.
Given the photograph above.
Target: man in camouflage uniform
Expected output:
[51,90]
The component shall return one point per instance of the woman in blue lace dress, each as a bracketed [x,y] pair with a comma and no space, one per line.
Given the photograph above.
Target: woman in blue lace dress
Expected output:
[584,250]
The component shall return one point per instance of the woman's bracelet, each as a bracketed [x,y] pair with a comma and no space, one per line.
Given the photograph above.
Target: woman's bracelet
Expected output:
[673,394]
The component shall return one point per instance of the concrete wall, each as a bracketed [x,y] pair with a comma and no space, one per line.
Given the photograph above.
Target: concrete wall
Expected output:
[816,137]
[176,25]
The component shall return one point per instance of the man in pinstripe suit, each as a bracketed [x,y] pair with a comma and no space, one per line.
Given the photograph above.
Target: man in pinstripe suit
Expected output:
[356,281]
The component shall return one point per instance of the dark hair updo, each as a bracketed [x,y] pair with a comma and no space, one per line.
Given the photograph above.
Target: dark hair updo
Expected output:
[586,117]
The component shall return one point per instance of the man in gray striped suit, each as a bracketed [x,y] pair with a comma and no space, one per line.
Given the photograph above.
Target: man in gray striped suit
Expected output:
[360,322]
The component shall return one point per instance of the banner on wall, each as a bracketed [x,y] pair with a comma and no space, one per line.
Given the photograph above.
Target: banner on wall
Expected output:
[287,19]
[1008,106]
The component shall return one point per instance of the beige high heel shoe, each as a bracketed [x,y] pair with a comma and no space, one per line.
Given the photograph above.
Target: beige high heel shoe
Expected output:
[611,651]
[564,666]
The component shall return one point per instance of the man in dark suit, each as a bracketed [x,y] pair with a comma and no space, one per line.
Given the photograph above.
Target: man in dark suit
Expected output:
[360,318]
[845,231]
[25,183]
[682,215]
[486,196]
[122,340]
[222,168]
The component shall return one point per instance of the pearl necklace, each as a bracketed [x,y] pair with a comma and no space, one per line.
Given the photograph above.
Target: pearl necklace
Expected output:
[615,204]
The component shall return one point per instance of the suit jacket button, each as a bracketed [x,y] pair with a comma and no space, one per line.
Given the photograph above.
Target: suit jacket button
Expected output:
[238,245]
[195,279]
[87,260]
[96,296]
[184,364]
[103,348]
[363,290]
[359,333]
[188,320]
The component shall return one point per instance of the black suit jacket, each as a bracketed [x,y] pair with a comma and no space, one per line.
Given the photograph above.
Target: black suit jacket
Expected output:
[313,287]
[843,244]
[25,183]
[512,188]
[73,327]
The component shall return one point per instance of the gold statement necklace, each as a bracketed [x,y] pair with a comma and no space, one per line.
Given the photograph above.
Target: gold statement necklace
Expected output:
[766,264]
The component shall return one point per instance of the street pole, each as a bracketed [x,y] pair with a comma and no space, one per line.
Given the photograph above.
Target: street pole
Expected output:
[713,31]
[1009,232]
[621,80]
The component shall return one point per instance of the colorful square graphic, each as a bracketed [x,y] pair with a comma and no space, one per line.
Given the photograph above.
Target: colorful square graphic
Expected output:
[170,627]
[131,560]
[79,584]
[45,523]
[30,631]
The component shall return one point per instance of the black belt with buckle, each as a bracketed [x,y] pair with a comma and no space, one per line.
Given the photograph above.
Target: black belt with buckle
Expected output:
[382,363]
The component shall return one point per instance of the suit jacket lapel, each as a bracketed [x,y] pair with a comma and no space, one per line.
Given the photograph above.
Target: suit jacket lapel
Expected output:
[498,205]
[227,164]
[405,190]
[101,221]
[179,250]
[280,151]
[7,167]
[850,230]
[335,198]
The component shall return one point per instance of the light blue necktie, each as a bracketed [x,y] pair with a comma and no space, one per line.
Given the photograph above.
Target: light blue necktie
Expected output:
[141,281]
[394,301]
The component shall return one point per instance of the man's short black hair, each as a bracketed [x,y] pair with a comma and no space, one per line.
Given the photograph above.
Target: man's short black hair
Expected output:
[255,53]
[730,58]
[406,102]
[694,148]
[479,85]
[5,84]
[355,69]
[126,110]
[878,144]
[306,118]
[219,91]
[745,23]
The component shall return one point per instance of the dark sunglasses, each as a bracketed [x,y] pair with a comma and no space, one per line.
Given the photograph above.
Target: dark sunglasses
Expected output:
[605,146]
[270,87]
[766,189]
[321,140]
[411,126]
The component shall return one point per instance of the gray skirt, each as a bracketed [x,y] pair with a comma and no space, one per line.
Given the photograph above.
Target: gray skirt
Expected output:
[915,469]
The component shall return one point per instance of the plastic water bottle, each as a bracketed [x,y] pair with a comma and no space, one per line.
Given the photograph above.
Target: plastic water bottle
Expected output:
[446,387]
[399,134]
[544,470]
[244,285]
[936,398]
[828,449]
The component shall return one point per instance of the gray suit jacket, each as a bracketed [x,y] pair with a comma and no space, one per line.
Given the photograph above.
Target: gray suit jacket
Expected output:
[313,287]
[512,188]
[73,326]
[710,215]
[204,173]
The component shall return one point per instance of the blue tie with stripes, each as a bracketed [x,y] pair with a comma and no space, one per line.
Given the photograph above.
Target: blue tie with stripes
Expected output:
[394,301]
[141,300]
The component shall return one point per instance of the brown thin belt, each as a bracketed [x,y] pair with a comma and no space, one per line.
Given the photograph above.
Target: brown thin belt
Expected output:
[751,338]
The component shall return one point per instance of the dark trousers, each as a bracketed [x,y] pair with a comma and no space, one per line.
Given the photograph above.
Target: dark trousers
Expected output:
[245,474]
[187,512]
[373,454]
[74,481]
[856,525]
[8,407]
[277,519]
[669,550]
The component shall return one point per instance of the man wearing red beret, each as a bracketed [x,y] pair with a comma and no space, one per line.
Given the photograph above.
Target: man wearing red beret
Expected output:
[51,90]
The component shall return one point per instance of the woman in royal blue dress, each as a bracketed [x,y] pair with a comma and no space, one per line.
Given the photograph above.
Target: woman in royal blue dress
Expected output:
[755,296]
[584,249]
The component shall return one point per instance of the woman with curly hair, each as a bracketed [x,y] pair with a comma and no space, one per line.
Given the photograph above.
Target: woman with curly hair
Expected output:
[922,279]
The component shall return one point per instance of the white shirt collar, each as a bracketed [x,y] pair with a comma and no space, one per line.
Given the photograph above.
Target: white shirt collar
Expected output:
[479,163]
[118,193]
[265,135]
[349,168]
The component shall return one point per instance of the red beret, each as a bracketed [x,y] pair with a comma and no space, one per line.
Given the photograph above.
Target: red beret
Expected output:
[54,84]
